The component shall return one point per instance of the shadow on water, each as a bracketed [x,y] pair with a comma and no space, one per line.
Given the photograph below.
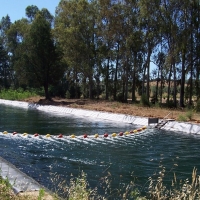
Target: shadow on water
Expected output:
[129,158]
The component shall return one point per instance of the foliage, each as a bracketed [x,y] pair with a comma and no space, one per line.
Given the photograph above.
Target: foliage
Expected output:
[5,189]
[197,107]
[144,100]
[189,114]
[41,194]
[109,43]
[182,118]
[18,94]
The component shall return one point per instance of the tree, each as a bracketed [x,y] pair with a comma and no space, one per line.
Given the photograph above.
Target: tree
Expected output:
[31,12]
[41,54]
[76,19]
[4,67]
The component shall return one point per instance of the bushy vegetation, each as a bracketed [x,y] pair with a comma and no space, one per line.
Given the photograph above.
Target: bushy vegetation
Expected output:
[18,94]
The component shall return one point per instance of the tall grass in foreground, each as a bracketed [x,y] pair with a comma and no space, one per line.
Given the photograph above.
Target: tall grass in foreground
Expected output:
[18,94]
[78,189]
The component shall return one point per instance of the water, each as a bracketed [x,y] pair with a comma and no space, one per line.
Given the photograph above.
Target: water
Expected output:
[129,158]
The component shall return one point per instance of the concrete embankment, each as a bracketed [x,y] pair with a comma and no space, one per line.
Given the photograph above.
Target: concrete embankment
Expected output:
[122,118]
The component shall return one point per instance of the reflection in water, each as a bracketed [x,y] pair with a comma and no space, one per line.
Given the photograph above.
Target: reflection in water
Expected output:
[128,158]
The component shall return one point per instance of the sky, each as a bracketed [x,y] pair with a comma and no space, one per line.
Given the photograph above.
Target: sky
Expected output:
[16,8]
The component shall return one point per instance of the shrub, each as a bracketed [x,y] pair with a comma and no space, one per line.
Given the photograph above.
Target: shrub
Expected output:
[197,107]
[182,118]
[189,114]
[144,100]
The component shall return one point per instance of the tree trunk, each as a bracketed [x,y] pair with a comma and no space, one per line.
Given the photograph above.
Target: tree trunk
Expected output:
[107,77]
[133,76]
[148,72]
[156,95]
[126,81]
[182,92]
[175,85]
[143,80]
[90,87]
[116,71]
[169,83]
[46,90]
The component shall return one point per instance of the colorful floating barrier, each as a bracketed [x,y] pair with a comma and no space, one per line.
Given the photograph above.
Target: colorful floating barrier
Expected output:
[105,135]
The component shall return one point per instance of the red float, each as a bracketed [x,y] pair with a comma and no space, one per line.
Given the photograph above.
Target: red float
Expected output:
[105,134]
[60,136]
[121,133]
[85,135]
[36,134]
[14,133]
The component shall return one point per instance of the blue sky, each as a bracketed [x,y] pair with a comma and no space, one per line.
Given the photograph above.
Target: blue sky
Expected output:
[16,9]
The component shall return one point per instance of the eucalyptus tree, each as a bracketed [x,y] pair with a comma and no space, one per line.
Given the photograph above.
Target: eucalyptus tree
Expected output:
[31,12]
[75,32]
[4,66]
[42,55]
[150,22]
[16,35]
[196,34]
[5,24]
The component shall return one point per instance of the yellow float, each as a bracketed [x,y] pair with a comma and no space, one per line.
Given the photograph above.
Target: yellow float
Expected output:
[96,135]
[114,134]
[48,135]
[5,132]
[24,134]
[126,133]
[73,136]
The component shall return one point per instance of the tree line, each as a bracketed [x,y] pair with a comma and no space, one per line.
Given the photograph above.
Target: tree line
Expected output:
[103,48]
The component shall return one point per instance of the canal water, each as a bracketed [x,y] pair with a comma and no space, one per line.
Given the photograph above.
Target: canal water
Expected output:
[134,157]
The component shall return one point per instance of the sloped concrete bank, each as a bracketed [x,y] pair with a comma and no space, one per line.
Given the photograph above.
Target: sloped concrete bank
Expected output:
[140,121]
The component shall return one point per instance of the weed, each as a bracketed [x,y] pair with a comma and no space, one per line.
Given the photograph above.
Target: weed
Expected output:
[182,118]
[189,114]
[41,194]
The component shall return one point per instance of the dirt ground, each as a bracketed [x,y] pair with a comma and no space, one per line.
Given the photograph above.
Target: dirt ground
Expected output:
[116,107]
